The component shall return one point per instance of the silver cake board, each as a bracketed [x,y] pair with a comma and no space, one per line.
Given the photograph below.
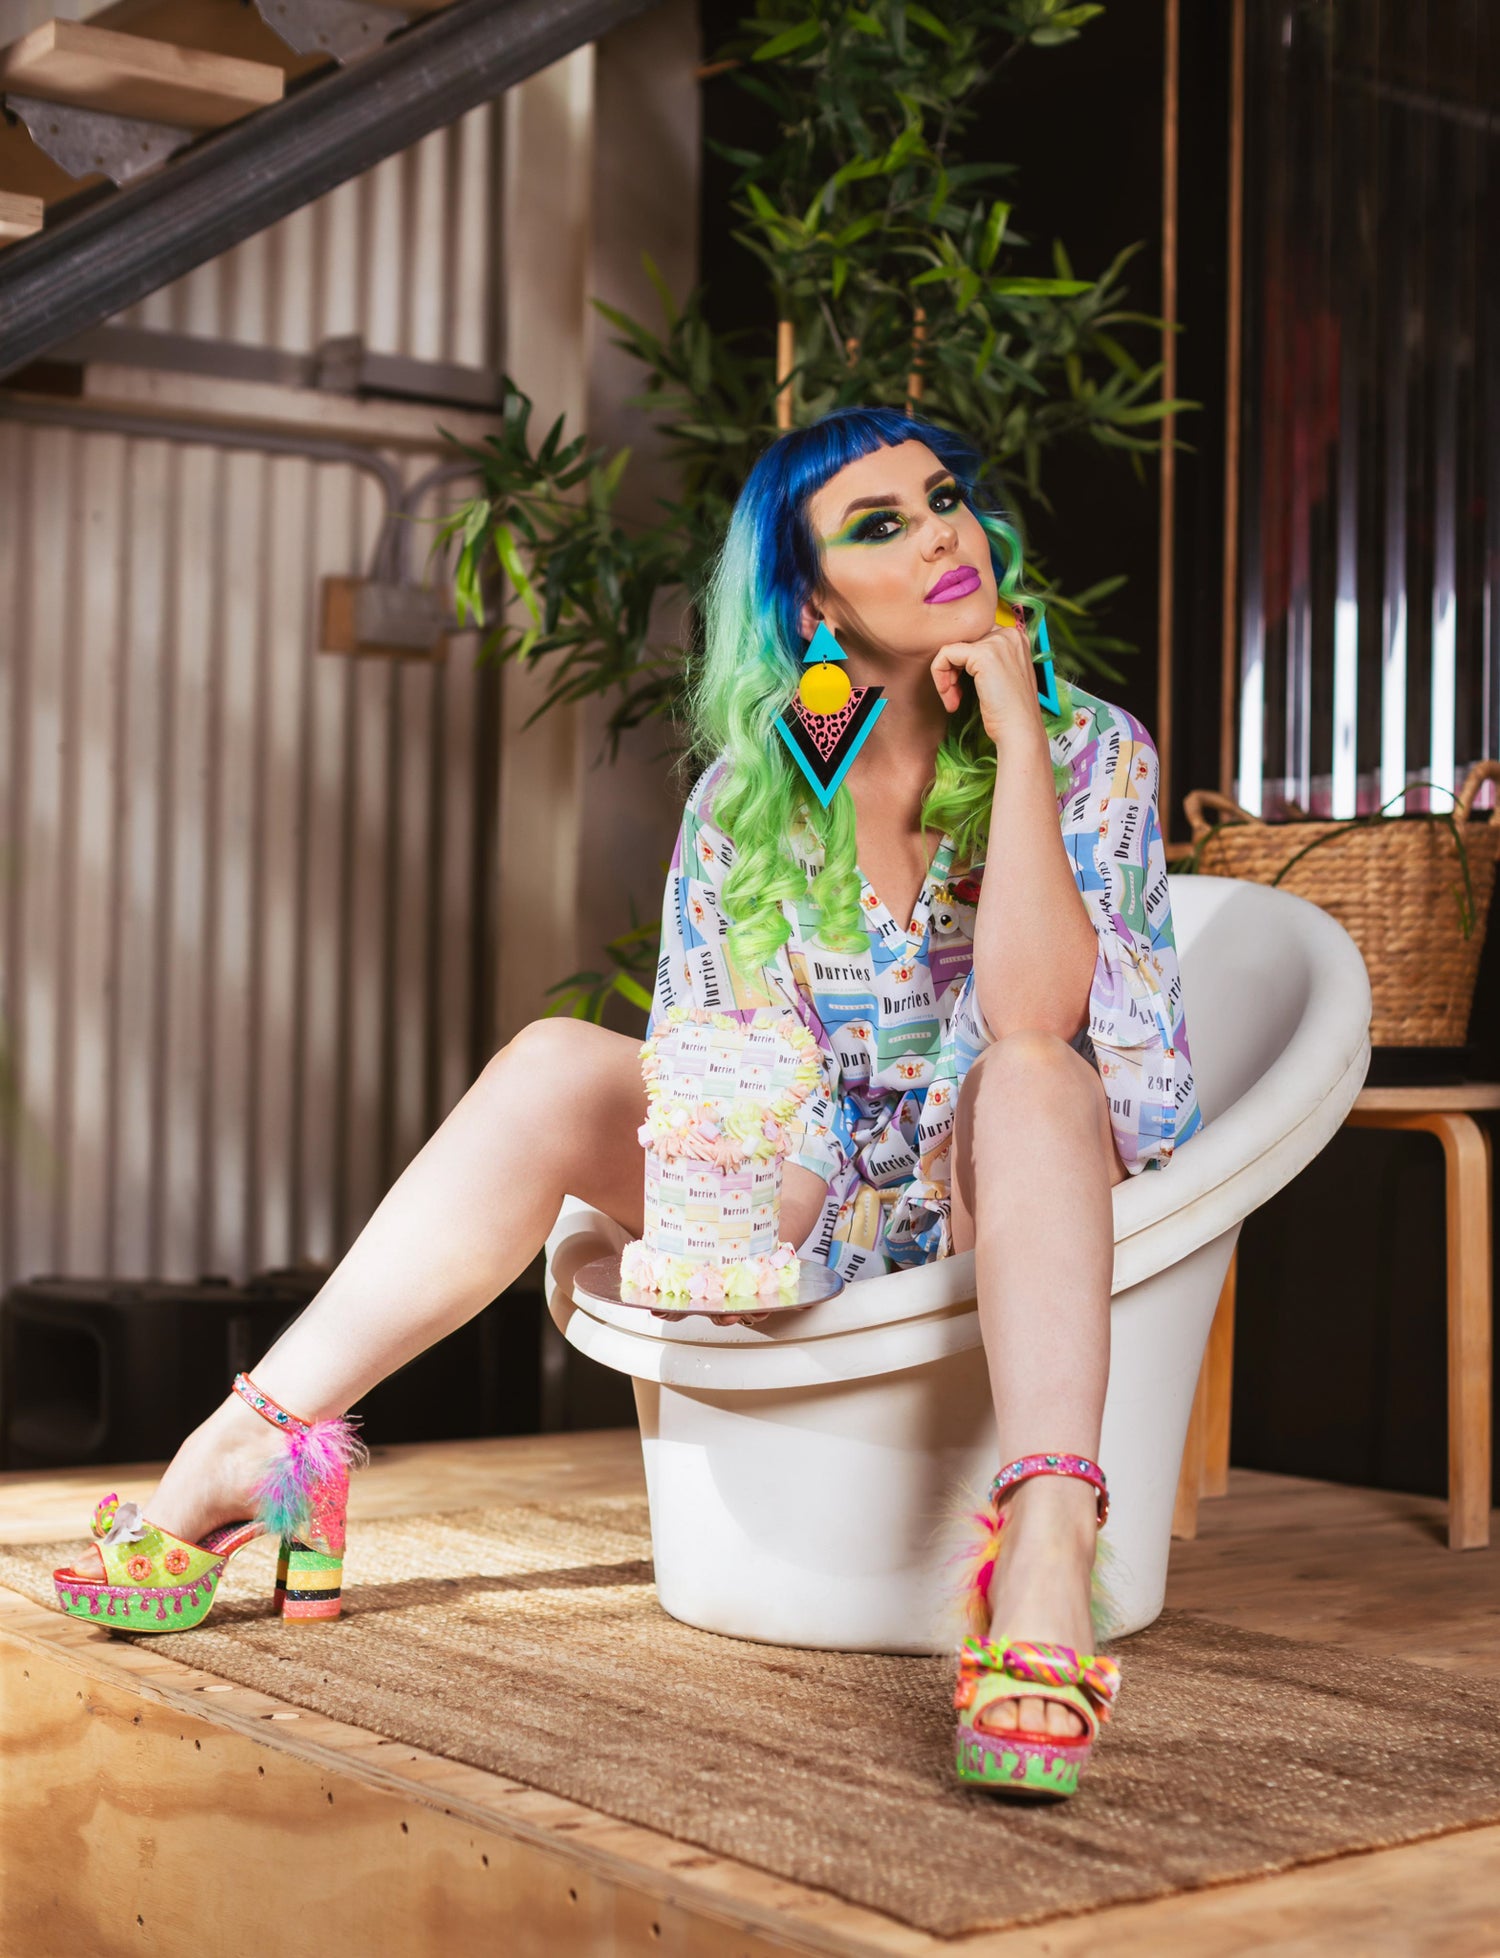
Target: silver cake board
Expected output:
[600,1283]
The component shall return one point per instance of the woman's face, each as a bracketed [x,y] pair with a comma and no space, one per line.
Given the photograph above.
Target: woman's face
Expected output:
[905,563]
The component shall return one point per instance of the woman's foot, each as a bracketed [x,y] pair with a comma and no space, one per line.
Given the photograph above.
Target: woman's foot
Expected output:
[1040,1589]
[213,1476]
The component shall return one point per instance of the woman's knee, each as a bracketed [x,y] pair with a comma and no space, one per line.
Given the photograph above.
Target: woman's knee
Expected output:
[1018,1076]
[573,1058]
[1010,1082]
[1025,1063]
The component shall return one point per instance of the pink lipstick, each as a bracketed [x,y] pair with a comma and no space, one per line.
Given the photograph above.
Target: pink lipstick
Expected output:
[957,583]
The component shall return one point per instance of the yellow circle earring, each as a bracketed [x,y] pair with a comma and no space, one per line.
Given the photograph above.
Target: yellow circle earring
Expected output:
[824,689]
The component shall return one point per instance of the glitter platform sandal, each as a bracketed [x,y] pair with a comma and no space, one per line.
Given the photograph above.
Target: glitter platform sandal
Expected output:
[147,1580]
[1015,1762]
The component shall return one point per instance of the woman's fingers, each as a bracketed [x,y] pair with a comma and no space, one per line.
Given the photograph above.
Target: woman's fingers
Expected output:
[1002,643]
[950,662]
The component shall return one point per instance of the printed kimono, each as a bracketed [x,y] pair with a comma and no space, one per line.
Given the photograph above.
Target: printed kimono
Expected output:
[899,1023]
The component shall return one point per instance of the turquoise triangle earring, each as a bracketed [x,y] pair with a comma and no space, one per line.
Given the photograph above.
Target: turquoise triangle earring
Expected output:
[828,721]
[1047,692]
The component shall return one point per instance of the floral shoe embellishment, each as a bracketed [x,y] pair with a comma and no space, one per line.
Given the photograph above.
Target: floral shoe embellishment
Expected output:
[177,1561]
[119,1522]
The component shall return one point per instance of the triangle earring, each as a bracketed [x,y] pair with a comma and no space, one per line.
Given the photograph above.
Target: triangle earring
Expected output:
[1047,692]
[827,721]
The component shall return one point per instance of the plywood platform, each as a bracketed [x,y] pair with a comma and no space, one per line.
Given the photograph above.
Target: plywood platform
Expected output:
[149,1808]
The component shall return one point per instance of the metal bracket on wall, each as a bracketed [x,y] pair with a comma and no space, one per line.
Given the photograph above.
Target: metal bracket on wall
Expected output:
[346,29]
[342,364]
[93,142]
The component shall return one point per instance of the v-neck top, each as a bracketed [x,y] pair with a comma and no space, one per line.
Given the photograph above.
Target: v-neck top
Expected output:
[899,1023]
[881,914]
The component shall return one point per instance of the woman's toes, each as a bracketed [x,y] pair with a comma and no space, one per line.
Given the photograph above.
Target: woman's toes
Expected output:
[1032,1716]
[1064,1721]
[1029,1715]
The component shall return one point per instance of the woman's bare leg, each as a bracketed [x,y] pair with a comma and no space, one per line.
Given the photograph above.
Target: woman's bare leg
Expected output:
[1035,1162]
[555,1112]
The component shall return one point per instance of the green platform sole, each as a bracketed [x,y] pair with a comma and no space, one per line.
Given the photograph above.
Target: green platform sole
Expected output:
[170,1608]
[1025,1768]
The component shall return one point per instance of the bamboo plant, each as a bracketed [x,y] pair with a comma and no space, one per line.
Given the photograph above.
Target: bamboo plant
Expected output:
[897,275]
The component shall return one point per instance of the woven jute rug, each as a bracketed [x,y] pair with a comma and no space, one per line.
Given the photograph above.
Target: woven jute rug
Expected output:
[528,1640]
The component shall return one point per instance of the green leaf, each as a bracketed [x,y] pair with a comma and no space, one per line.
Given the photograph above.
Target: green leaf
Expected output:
[788,43]
[505,550]
[663,290]
[930,21]
[994,231]
[763,206]
[1018,288]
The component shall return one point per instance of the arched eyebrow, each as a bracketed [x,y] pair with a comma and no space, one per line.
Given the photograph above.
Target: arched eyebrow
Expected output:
[880,502]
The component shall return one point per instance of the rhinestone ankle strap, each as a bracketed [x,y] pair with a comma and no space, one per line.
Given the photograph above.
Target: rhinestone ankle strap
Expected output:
[271,1410]
[1022,1469]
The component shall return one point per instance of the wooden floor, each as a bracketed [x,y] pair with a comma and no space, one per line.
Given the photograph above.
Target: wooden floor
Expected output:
[126,1774]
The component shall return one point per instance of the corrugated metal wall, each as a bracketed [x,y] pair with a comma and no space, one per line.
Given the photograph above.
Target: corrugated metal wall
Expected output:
[1370,458]
[245,910]
[405,255]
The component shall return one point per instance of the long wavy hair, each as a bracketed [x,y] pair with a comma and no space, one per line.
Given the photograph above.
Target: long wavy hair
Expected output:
[766,568]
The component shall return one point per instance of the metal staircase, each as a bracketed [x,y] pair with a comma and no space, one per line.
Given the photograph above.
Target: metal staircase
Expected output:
[205,193]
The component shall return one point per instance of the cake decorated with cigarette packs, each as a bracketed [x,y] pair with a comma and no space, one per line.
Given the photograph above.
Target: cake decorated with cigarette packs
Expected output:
[721,1097]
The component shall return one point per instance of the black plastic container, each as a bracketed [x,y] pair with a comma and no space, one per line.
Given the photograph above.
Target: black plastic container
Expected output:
[99,1370]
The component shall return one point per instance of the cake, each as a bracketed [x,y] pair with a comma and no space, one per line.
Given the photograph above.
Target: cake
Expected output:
[721,1094]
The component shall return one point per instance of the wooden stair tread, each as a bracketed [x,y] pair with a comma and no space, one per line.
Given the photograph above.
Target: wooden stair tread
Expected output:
[20,216]
[129,75]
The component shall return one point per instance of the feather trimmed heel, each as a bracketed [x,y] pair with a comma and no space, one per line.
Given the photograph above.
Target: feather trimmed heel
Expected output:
[303,1498]
[144,1579]
[1010,1760]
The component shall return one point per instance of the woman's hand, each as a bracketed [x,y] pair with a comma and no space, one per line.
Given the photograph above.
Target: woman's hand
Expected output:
[1004,678]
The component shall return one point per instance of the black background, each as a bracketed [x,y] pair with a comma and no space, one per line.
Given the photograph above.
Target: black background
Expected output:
[1340,1357]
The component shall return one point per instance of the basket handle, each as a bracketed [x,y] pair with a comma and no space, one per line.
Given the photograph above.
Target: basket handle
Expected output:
[1478,775]
[1198,801]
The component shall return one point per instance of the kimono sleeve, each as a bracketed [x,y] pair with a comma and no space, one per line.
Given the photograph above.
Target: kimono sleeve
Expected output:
[693,968]
[1136,1024]
[692,965]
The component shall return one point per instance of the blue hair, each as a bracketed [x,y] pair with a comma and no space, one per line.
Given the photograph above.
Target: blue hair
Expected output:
[773,505]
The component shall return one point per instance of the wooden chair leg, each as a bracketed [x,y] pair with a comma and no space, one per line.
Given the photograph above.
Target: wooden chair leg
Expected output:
[1218,1363]
[1466,1149]
[1190,1475]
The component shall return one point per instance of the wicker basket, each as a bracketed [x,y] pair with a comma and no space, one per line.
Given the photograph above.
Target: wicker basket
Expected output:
[1394,885]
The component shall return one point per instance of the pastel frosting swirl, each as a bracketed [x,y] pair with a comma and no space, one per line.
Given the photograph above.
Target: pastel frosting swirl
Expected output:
[708,1284]
[726,1131]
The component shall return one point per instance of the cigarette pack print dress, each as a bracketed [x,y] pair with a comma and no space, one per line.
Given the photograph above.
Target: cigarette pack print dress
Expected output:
[899,1024]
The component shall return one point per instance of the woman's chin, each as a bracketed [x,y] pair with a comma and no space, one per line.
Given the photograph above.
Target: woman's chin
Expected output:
[969,617]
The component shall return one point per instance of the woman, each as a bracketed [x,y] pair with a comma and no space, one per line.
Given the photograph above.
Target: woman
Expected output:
[998,1054]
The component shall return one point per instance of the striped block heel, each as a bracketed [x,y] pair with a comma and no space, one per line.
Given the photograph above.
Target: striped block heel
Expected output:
[309,1583]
